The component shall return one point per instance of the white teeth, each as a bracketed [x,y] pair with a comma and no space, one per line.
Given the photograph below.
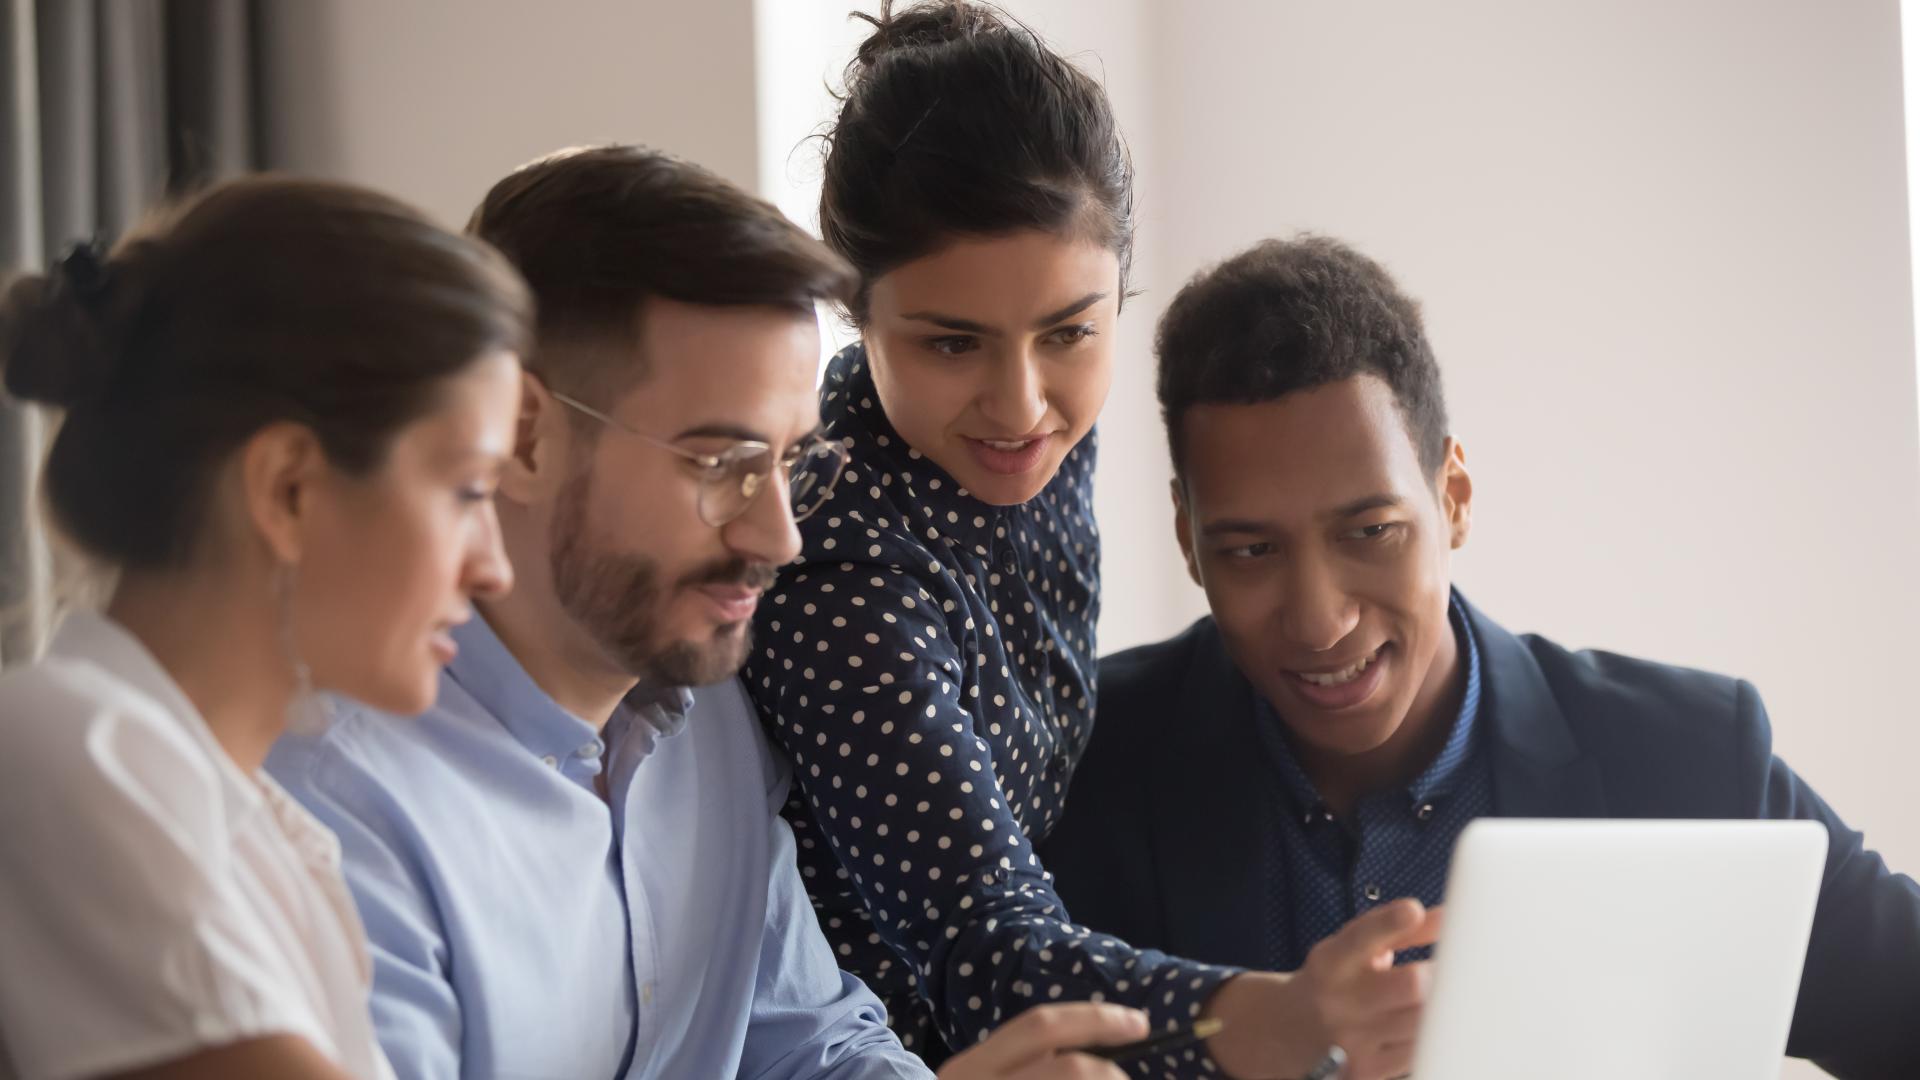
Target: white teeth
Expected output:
[1341,677]
[998,444]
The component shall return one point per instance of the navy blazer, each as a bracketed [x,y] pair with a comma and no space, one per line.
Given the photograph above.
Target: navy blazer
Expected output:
[1158,846]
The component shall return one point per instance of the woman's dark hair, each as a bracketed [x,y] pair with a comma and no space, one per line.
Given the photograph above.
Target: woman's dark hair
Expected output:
[1290,315]
[262,300]
[959,121]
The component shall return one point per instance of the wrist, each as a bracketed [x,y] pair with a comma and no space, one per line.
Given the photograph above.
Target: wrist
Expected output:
[1272,1031]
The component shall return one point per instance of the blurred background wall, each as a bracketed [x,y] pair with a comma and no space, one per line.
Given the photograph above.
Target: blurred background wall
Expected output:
[1663,251]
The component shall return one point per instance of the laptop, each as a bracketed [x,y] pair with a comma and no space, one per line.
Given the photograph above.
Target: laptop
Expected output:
[1597,950]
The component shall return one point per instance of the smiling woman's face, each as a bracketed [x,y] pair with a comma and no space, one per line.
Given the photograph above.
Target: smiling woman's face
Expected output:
[993,356]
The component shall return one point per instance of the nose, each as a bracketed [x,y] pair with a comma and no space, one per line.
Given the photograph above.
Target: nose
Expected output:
[766,532]
[488,573]
[1316,613]
[1015,397]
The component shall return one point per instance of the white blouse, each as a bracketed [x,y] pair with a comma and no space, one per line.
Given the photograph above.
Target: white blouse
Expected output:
[155,900]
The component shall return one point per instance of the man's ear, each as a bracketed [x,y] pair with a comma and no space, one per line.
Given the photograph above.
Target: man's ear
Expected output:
[1183,530]
[540,441]
[1456,494]
[279,469]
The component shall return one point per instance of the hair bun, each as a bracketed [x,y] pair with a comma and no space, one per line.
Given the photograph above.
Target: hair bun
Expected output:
[54,348]
[932,22]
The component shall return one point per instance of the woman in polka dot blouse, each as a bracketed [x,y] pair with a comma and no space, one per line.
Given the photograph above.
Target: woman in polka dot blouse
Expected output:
[929,664]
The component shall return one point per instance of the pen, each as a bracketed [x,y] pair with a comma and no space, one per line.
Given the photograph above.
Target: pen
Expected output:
[1198,1031]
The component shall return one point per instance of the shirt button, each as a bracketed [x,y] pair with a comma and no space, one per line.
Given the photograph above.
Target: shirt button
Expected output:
[551,761]
[1372,893]
[591,750]
[1424,812]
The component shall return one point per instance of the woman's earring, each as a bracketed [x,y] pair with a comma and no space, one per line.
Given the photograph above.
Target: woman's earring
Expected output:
[309,713]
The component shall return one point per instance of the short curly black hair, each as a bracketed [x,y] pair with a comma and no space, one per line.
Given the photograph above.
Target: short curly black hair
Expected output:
[1291,315]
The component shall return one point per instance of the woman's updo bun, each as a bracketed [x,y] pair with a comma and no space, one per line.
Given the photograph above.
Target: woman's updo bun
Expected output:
[959,121]
[919,27]
[58,338]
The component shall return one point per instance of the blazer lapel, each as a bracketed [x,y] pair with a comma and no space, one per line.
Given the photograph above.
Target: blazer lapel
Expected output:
[1538,768]
[1210,810]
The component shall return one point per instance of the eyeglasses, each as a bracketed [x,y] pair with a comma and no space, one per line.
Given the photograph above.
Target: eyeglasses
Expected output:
[731,479]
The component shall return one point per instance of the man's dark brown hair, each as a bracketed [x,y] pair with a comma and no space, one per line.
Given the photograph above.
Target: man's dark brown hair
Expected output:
[1290,315]
[598,230]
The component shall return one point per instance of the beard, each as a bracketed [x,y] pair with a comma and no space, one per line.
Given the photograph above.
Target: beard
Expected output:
[618,598]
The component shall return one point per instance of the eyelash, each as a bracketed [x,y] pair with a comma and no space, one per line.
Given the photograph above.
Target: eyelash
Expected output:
[952,345]
[1364,534]
[958,344]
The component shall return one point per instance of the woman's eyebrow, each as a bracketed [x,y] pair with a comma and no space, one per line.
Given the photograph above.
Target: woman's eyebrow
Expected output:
[968,326]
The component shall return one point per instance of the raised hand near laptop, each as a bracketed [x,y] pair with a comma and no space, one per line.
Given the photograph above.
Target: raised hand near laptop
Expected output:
[1035,1045]
[1348,994]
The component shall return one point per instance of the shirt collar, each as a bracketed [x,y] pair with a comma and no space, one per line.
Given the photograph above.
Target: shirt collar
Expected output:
[648,715]
[1438,778]
[98,639]
[489,672]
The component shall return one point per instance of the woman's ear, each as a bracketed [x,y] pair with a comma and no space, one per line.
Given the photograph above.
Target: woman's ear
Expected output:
[280,469]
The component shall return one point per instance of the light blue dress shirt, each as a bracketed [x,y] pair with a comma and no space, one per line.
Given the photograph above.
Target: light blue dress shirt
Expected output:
[522,926]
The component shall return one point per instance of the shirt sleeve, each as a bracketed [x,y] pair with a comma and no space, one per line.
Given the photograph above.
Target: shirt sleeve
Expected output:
[416,1015]
[1854,1017]
[810,1020]
[867,687]
[126,942]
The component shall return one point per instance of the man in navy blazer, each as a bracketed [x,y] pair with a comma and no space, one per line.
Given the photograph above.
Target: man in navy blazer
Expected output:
[1307,754]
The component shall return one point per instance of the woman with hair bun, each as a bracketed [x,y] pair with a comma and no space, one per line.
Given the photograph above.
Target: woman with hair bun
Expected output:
[285,405]
[929,664]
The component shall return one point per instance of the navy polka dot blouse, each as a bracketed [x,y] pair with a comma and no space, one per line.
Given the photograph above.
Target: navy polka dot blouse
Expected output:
[929,666]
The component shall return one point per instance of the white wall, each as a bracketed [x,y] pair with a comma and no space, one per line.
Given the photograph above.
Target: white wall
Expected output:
[434,100]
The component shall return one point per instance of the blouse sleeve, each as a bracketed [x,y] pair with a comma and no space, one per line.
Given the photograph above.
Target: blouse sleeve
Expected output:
[124,945]
[866,684]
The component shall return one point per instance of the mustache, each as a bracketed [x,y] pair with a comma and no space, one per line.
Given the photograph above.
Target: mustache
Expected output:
[751,575]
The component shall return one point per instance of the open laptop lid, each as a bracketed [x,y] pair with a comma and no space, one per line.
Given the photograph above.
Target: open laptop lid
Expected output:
[1595,950]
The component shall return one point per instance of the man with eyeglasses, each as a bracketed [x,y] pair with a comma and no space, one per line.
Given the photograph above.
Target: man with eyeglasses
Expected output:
[566,867]
[573,865]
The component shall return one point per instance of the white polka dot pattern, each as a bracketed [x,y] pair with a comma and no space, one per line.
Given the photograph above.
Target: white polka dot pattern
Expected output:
[929,666]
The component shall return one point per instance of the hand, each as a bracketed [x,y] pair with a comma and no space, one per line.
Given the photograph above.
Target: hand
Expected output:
[1367,1006]
[1348,994]
[1037,1044]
